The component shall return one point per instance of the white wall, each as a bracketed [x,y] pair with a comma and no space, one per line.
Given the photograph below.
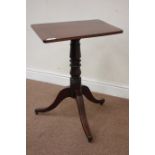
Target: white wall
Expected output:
[104,59]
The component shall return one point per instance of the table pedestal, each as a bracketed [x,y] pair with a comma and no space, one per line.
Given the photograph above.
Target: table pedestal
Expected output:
[76,90]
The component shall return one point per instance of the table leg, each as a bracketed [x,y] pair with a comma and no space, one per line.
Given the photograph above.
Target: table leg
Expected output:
[61,96]
[87,93]
[83,117]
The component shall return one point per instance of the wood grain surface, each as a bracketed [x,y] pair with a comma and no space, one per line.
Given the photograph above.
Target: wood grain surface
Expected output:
[54,32]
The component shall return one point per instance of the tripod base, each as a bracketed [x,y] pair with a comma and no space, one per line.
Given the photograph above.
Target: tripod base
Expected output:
[77,94]
[76,90]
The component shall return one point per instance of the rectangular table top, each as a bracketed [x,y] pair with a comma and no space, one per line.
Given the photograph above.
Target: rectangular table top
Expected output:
[53,32]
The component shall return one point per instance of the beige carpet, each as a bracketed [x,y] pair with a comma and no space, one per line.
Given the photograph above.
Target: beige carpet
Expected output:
[60,132]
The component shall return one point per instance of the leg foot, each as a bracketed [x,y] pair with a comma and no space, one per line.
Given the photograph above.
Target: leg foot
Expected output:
[36,112]
[87,93]
[83,117]
[90,139]
[61,96]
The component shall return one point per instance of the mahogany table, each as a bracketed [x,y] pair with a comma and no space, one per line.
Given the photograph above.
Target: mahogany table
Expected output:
[74,31]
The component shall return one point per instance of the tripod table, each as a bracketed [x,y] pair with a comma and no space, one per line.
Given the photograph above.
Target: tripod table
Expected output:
[74,31]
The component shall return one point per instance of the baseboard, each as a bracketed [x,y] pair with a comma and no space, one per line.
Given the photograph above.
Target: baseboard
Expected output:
[96,86]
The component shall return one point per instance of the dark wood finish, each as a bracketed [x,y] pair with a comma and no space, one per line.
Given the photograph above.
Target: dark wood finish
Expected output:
[87,93]
[75,55]
[75,90]
[74,31]
[83,117]
[53,32]
[61,96]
